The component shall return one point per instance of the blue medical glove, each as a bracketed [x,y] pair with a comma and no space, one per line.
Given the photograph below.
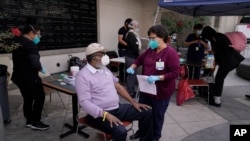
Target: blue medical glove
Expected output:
[152,78]
[43,70]
[130,71]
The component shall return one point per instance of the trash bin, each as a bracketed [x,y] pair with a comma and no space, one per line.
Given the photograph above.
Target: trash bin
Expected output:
[4,100]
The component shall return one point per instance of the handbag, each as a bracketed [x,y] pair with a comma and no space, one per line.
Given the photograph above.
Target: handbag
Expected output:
[184,93]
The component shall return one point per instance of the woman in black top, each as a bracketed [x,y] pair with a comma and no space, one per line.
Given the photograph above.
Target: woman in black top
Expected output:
[26,65]
[132,52]
[225,57]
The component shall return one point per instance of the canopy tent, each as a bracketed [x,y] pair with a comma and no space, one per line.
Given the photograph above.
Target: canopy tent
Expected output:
[207,7]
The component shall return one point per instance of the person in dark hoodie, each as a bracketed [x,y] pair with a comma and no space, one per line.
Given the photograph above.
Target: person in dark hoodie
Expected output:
[226,57]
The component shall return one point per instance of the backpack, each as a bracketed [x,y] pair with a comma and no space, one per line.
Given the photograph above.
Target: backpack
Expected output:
[75,61]
[238,40]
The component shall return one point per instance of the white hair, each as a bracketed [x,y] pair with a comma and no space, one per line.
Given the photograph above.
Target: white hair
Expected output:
[133,23]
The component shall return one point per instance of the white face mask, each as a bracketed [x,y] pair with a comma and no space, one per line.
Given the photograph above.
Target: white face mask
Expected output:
[173,37]
[105,60]
[198,32]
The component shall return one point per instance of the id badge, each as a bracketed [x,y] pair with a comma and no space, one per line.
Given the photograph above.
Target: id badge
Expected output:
[197,48]
[159,65]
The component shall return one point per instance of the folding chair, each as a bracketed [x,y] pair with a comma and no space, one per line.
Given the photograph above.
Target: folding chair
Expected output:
[197,82]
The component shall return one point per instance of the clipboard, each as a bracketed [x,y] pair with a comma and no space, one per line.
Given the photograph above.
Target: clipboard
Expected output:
[144,86]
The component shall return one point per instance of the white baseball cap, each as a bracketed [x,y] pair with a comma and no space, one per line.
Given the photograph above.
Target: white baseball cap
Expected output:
[93,48]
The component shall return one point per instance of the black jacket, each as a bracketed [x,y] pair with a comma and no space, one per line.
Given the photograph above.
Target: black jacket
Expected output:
[132,45]
[26,62]
[225,56]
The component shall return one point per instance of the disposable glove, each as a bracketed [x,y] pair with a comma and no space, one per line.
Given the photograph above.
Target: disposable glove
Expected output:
[152,78]
[43,70]
[130,71]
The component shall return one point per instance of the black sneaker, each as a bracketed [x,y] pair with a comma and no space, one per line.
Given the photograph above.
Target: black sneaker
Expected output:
[212,102]
[39,126]
[28,125]
[7,121]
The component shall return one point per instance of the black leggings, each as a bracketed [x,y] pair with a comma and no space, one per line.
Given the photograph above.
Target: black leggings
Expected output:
[219,81]
[33,100]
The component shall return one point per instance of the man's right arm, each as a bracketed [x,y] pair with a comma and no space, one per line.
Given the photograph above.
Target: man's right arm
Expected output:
[120,40]
[187,44]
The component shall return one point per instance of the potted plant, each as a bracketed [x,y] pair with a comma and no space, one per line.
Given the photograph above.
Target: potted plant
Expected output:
[7,42]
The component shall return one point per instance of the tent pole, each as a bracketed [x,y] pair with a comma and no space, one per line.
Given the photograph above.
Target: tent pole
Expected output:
[156,14]
[191,30]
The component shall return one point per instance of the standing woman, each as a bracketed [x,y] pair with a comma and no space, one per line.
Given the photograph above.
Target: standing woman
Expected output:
[133,45]
[161,64]
[225,57]
[26,65]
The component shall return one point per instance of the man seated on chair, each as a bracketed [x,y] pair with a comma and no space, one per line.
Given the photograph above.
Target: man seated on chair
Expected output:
[97,90]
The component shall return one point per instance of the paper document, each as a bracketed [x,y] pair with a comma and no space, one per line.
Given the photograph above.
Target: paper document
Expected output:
[144,86]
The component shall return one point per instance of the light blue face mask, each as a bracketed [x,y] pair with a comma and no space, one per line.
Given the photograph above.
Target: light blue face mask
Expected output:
[137,30]
[36,40]
[153,44]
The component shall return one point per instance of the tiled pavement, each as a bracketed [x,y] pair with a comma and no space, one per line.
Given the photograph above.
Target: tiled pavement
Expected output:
[193,121]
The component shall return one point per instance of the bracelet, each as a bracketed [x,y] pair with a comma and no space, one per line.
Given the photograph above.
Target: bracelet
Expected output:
[104,116]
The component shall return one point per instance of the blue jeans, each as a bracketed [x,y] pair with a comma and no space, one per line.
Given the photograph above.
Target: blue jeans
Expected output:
[125,112]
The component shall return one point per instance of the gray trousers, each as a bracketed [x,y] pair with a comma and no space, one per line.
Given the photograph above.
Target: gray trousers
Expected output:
[131,78]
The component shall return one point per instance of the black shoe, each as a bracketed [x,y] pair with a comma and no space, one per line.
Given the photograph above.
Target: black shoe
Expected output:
[28,125]
[135,136]
[247,96]
[39,126]
[7,121]
[217,105]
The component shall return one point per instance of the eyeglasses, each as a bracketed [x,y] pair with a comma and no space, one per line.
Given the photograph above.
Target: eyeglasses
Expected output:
[152,38]
[33,29]
[39,35]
